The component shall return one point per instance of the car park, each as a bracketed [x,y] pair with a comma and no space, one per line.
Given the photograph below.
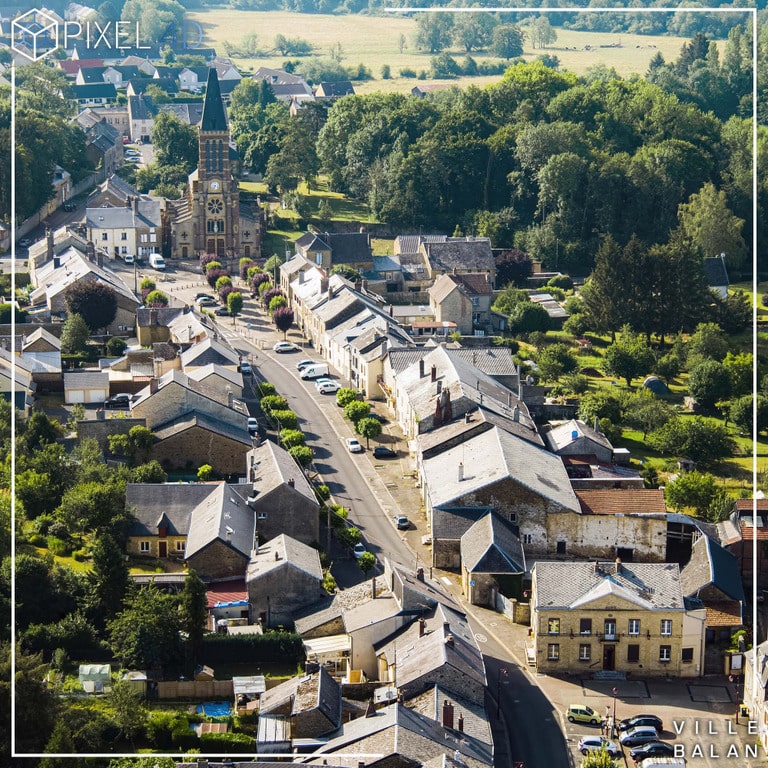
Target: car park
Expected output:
[121,400]
[327,387]
[359,550]
[382,452]
[303,364]
[353,445]
[640,735]
[206,301]
[402,522]
[652,749]
[597,743]
[285,346]
[649,720]
[581,713]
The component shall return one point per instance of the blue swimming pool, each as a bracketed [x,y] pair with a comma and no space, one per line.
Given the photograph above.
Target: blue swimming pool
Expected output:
[215,708]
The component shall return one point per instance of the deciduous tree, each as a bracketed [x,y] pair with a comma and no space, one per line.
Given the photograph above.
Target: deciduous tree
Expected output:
[74,334]
[94,301]
[368,428]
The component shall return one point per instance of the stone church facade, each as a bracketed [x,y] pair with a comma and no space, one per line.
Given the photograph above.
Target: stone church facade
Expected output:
[211,217]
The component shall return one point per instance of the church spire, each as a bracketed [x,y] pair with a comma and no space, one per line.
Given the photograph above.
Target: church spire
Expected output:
[214,117]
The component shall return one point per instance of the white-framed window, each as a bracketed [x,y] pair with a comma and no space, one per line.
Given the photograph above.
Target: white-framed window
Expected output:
[585,626]
[179,546]
[553,652]
[475,301]
[123,235]
[609,627]
[124,249]
[666,627]
[634,627]
[585,652]
[144,237]
[143,546]
[152,237]
[104,236]
[553,626]
[665,653]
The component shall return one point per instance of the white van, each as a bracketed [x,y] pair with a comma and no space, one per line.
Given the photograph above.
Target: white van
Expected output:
[156,261]
[314,371]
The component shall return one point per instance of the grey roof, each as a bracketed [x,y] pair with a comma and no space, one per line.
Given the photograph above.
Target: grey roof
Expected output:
[412,243]
[653,586]
[335,90]
[281,552]
[274,467]
[148,316]
[140,84]
[222,516]
[467,254]
[715,271]
[416,593]
[209,350]
[168,429]
[492,457]
[191,114]
[94,91]
[277,76]
[140,107]
[710,564]
[148,502]
[476,722]
[492,546]
[214,116]
[387,264]
[495,361]
[92,74]
[558,437]
[453,522]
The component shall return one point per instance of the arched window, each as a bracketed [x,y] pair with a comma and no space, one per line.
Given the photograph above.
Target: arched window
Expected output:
[221,156]
[207,155]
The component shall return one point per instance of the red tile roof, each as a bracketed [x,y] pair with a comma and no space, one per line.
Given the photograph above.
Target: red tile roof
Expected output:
[746,505]
[73,66]
[226,592]
[622,501]
[749,532]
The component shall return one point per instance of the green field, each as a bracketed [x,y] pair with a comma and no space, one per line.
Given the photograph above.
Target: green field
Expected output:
[373,41]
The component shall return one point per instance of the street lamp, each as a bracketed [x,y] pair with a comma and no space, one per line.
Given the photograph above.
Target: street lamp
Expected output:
[613,725]
[502,672]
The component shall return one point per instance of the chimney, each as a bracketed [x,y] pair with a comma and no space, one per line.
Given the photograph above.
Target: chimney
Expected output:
[128,201]
[516,414]
[461,722]
[370,710]
[391,310]
[291,483]
[301,277]
[373,588]
[49,243]
[467,417]
[520,392]
[330,293]
[420,574]
[153,385]
[447,714]
[90,250]
[447,627]
[100,258]
[277,556]
[439,387]
[365,283]
[358,285]
[597,424]
[618,564]
[461,471]
[421,368]
[56,262]
[422,627]
[449,641]
[323,284]
[434,373]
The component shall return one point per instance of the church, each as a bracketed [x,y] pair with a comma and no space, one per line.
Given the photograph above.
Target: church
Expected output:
[211,217]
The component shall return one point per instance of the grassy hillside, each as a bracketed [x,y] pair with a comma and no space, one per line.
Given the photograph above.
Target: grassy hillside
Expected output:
[374,41]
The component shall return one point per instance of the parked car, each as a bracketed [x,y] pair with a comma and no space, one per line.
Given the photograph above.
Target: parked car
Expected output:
[245,367]
[640,735]
[206,301]
[221,312]
[121,400]
[353,445]
[633,722]
[581,713]
[359,550]
[652,749]
[253,425]
[327,387]
[285,346]
[402,522]
[129,258]
[596,743]
[203,296]
[382,452]
[303,364]
[25,242]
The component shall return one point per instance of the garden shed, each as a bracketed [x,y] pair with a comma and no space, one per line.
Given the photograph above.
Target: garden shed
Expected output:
[95,678]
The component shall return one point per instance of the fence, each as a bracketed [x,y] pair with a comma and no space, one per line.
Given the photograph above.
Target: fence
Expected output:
[195,689]
[518,612]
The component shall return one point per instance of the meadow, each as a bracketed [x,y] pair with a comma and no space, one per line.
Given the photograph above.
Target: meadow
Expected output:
[374,42]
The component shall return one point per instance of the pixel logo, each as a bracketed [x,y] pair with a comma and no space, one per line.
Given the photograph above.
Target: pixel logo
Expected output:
[34,34]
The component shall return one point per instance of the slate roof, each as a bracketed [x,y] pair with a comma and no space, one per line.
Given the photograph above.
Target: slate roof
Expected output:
[335,90]
[492,457]
[191,114]
[148,502]
[94,91]
[715,272]
[123,217]
[277,76]
[628,501]
[197,419]
[495,361]
[450,522]
[412,243]
[292,553]
[214,369]
[214,117]
[345,247]
[710,564]
[222,516]
[207,351]
[139,85]
[91,75]
[442,288]
[274,467]
[149,316]
[387,264]
[468,254]
[140,107]
[492,546]
[476,723]
[418,594]
[653,586]
[474,284]
[558,437]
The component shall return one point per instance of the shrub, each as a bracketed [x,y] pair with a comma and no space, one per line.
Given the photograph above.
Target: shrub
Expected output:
[323,492]
[37,540]
[59,546]
[210,741]
[266,389]
[80,555]
[271,646]
[301,454]
[290,438]
[285,419]
[407,72]
[182,737]
[386,72]
[116,346]
[561,281]
[271,403]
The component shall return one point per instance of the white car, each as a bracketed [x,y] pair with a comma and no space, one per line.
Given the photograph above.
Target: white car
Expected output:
[128,258]
[353,445]
[596,743]
[285,346]
[327,387]
[359,550]
[253,425]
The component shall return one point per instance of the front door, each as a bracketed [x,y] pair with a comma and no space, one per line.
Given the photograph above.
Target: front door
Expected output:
[609,657]
[163,548]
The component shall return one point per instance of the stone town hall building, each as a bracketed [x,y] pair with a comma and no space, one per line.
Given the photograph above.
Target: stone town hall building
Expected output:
[211,217]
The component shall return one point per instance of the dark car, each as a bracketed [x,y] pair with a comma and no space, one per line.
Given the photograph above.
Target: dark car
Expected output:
[641,734]
[633,722]
[122,400]
[382,452]
[221,312]
[652,749]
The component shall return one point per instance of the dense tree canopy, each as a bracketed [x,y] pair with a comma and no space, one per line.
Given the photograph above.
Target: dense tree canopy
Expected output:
[94,301]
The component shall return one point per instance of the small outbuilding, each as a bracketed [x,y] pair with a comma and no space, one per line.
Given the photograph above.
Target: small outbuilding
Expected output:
[95,678]
[656,385]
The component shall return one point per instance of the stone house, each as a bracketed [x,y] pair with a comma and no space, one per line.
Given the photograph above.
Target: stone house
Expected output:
[464,299]
[283,577]
[574,437]
[133,228]
[281,497]
[589,616]
[331,249]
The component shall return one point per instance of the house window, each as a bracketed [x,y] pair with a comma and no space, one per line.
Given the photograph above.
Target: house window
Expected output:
[553,652]
[585,652]
[144,238]
[123,235]
[261,516]
[179,546]
[513,517]
[585,626]
[143,546]
[666,627]
[610,629]
[124,249]
[560,548]
[527,538]
[475,301]
[553,626]
[104,236]
[665,653]
[152,237]
[687,656]
[634,626]
[633,653]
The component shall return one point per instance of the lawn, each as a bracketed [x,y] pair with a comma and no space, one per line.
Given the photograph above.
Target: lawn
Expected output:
[374,42]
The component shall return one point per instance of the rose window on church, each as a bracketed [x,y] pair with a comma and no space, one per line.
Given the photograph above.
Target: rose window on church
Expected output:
[215,205]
